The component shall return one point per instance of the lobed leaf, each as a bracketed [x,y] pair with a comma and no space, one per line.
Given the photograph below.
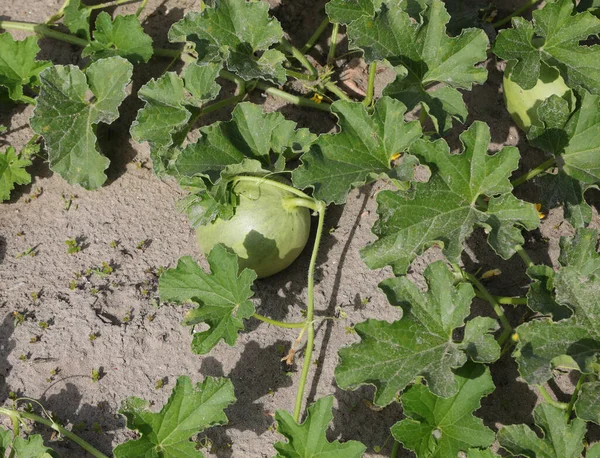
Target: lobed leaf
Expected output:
[188,411]
[77,19]
[12,171]
[308,439]
[561,439]
[577,287]
[123,37]
[67,117]
[18,67]
[251,134]
[363,151]
[465,191]
[553,37]
[437,427]
[223,296]
[167,109]
[423,55]
[223,32]
[391,355]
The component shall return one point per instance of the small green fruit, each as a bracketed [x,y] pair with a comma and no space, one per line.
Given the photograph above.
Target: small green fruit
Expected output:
[266,232]
[522,104]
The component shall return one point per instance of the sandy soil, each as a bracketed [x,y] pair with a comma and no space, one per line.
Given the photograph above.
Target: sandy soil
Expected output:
[136,342]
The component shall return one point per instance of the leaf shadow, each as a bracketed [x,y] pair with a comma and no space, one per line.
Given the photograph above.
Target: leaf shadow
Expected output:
[6,346]
[93,423]
[3,246]
[280,293]
[258,372]
[355,418]
[512,402]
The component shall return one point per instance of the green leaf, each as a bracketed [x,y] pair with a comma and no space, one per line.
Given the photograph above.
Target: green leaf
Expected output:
[588,401]
[224,30]
[18,67]
[166,112]
[423,56]
[391,355]
[552,37]
[123,37]
[574,141]
[251,134]
[446,209]
[223,296]
[6,438]
[561,439]
[593,451]
[188,411]
[12,171]
[67,118]
[540,297]
[32,447]
[577,286]
[441,428]
[307,440]
[77,19]
[346,11]
[363,150]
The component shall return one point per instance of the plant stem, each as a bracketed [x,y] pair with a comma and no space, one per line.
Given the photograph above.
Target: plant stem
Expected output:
[43,30]
[300,57]
[333,44]
[300,101]
[573,399]
[281,324]
[60,13]
[109,4]
[534,172]
[65,432]
[141,8]
[310,309]
[549,400]
[506,300]
[315,36]
[524,256]
[334,89]
[516,12]
[395,449]
[275,184]
[507,331]
[371,85]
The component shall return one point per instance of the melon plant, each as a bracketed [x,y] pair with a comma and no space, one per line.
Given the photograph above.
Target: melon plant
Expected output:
[254,181]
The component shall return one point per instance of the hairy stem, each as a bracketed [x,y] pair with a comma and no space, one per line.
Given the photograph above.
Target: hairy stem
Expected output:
[315,36]
[141,8]
[371,84]
[515,13]
[506,300]
[524,256]
[534,172]
[55,426]
[275,184]
[60,13]
[334,89]
[310,309]
[300,101]
[280,324]
[507,331]
[300,57]
[544,392]
[333,44]
[580,382]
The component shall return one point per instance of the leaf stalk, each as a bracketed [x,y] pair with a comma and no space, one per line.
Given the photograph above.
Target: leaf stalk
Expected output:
[280,324]
[310,309]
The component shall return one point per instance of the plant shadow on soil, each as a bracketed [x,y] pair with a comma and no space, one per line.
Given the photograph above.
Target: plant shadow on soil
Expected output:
[6,346]
[258,373]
